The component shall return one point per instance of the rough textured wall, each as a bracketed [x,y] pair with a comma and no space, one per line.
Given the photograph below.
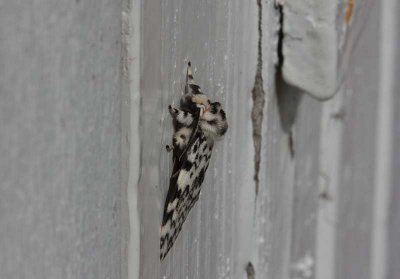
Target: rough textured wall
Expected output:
[220,38]
[314,214]
[65,120]
[60,139]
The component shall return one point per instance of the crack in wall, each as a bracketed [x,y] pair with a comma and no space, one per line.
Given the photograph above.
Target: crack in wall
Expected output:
[258,95]
[288,96]
[281,36]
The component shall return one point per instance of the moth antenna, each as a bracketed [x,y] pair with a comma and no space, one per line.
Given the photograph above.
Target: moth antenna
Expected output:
[189,78]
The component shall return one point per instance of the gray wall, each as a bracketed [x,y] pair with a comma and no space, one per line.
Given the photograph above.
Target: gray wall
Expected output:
[320,210]
[84,89]
[60,141]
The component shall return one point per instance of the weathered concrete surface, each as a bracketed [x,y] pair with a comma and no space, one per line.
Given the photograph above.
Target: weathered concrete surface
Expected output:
[60,139]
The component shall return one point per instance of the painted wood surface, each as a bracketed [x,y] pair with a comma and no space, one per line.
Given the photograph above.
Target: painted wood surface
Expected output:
[314,213]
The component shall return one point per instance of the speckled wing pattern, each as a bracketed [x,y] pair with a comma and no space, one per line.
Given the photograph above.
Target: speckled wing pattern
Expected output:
[191,156]
[198,123]
[184,190]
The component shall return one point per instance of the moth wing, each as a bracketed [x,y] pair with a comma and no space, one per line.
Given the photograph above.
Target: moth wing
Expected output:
[184,190]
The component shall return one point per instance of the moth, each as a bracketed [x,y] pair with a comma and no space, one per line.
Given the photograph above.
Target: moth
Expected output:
[198,123]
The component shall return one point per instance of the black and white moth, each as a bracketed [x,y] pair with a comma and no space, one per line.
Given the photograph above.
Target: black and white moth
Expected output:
[198,123]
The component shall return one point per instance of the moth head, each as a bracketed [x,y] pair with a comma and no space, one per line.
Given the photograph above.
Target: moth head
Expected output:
[213,120]
[202,102]
[213,110]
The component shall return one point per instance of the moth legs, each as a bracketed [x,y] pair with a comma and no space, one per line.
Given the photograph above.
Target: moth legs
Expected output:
[182,117]
[180,139]
[183,130]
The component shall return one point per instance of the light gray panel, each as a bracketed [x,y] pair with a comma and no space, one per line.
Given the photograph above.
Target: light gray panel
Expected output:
[354,224]
[220,38]
[305,193]
[149,202]
[60,196]
[393,229]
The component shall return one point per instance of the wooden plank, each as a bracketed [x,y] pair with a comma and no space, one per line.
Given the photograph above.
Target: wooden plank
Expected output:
[356,191]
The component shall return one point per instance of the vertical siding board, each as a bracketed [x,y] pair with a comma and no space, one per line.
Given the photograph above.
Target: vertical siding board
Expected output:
[355,197]
[220,40]
[393,222]
[60,140]
[279,183]
[305,194]
[151,96]
[329,181]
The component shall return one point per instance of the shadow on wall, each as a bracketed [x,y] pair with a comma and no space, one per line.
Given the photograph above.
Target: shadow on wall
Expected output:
[289,98]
